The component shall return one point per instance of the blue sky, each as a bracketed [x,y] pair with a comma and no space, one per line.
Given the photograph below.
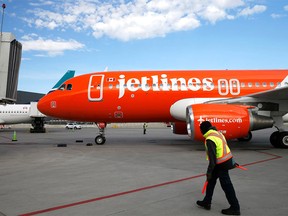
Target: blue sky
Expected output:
[90,35]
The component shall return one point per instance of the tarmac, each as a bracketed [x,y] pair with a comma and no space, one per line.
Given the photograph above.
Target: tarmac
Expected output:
[132,174]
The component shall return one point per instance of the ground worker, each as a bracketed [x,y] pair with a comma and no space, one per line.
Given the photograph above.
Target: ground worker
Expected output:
[145,128]
[220,161]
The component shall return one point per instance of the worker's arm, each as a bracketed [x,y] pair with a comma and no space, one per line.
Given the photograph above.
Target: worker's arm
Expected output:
[211,147]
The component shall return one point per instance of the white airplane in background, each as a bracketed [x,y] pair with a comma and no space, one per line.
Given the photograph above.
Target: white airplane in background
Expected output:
[14,114]
[25,113]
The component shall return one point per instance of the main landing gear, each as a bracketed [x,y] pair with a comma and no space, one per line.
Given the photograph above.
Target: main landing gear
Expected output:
[100,139]
[246,138]
[279,139]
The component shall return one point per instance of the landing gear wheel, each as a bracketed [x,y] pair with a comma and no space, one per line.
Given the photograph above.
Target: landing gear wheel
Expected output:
[100,140]
[283,140]
[274,139]
[247,138]
[279,139]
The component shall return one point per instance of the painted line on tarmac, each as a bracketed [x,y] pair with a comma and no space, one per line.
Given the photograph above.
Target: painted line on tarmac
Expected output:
[110,196]
[274,157]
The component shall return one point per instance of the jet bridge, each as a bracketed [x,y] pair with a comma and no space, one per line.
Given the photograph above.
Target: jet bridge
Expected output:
[10,58]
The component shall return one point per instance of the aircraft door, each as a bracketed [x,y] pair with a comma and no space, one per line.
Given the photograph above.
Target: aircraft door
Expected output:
[95,88]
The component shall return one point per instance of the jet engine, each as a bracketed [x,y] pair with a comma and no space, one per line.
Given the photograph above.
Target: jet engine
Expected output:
[179,128]
[234,121]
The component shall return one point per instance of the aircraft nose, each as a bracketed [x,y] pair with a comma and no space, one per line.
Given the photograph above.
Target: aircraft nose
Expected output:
[44,105]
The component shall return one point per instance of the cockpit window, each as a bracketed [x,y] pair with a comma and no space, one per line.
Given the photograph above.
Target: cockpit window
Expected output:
[69,87]
[62,87]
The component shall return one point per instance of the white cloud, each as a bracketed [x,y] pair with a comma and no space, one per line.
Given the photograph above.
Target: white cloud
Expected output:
[254,10]
[53,47]
[277,16]
[41,2]
[213,14]
[137,19]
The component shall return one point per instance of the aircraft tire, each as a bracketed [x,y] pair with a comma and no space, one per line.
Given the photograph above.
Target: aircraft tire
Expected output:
[100,140]
[274,139]
[246,138]
[283,139]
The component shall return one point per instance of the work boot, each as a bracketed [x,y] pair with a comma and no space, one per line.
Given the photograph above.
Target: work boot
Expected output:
[231,211]
[203,204]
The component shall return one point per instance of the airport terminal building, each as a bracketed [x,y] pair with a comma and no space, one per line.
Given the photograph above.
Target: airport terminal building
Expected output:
[24,97]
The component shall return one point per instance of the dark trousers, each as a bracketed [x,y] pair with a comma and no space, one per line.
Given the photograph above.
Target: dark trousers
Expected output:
[226,185]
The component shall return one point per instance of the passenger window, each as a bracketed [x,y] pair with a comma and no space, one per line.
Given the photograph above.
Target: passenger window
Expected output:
[69,87]
[271,84]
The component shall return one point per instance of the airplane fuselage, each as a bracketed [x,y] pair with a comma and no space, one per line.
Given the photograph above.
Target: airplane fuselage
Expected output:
[147,96]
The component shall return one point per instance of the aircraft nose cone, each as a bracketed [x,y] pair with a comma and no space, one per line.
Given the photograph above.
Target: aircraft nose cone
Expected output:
[43,105]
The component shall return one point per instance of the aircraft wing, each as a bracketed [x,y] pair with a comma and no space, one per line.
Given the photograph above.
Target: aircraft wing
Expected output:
[278,94]
[274,95]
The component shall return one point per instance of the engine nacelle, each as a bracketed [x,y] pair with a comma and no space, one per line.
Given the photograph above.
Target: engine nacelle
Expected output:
[179,128]
[234,121]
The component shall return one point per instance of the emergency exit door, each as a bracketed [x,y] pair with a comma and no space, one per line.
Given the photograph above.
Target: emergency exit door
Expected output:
[95,87]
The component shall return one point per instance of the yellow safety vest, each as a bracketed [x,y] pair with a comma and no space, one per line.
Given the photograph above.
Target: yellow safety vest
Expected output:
[223,152]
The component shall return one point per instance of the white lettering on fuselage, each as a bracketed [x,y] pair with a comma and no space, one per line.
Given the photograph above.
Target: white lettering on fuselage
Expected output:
[163,83]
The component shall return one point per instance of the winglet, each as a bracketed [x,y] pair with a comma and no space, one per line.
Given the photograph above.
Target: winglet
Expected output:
[69,74]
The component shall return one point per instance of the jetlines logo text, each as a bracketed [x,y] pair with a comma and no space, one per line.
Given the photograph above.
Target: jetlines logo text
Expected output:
[220,120]
[163,83]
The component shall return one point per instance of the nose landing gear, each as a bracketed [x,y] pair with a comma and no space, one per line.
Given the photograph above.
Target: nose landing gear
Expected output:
[100,139]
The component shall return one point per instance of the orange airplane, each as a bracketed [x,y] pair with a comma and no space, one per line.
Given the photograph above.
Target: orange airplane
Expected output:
[235,101]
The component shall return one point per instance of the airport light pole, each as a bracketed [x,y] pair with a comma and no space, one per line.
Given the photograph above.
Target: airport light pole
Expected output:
[3,8]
